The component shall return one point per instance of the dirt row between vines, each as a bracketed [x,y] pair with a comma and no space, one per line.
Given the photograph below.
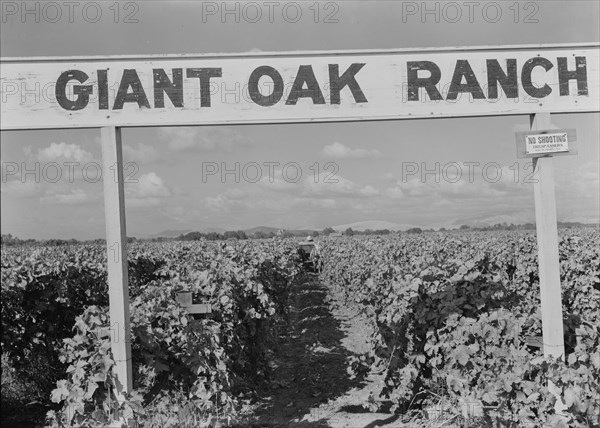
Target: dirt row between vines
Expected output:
[311,385]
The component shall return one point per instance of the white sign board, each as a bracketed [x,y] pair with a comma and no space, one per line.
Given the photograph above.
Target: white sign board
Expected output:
[547,143]
[298,87]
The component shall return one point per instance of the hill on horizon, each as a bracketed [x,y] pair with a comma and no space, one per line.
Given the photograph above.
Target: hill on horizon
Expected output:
[373,225]
[264,229]
[170,233]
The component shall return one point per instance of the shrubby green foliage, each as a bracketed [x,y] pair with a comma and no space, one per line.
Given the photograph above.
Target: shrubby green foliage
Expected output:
[453,310]
[185,369]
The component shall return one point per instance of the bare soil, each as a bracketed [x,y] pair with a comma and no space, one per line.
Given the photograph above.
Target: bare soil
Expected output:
[311,385]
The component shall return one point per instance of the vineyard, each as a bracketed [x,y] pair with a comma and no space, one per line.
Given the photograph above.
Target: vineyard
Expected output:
[450,315]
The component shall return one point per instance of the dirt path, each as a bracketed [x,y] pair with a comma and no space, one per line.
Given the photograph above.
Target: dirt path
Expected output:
[311,385]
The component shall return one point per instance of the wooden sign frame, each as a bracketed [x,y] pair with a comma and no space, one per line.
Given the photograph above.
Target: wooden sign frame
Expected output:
[400,84]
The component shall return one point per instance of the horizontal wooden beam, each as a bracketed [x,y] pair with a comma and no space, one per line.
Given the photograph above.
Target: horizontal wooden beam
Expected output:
[300,53]
[341,86]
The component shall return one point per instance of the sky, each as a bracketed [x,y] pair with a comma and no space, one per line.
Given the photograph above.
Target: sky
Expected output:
[426,173]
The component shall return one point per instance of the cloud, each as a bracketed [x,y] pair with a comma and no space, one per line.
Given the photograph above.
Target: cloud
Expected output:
[340,151]
[231,199]
[149,191]
[142,153]
[56,157]
[20,189]
[455,181]
[324,185]
[394,192]
[235,193]
[284,204]
[579,183]
[436,198]
[225,202]
[318,203]
[236,200]
[62,151]
[277,184]
[412,187]
[577,192]
[143,202]
[202,139]
[52,186]
[70,197]
[149,185]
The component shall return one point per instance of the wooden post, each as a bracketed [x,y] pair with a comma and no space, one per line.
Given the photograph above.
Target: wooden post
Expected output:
[116,245]
[548,263]
[547,239]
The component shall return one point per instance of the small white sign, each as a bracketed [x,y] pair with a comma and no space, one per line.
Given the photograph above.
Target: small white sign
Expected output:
[547,143]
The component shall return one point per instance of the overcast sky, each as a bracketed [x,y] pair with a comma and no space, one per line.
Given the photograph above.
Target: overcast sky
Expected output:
[349,172]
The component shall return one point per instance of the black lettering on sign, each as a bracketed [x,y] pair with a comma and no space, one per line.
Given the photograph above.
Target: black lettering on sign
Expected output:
[204,75]
[265,100]
[415,82]
[471,85]
[579,74]
[83,92]
[130,79]
[526,77]
[337,82]
[162,86]
[508,80]
[103,89]
[305,75]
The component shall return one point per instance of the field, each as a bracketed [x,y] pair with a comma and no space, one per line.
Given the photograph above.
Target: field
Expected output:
[410,330]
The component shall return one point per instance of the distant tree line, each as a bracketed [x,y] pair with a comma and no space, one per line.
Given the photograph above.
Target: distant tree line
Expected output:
[512,226]
[7,240]
[212,236]
[351,232]
[500,226]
